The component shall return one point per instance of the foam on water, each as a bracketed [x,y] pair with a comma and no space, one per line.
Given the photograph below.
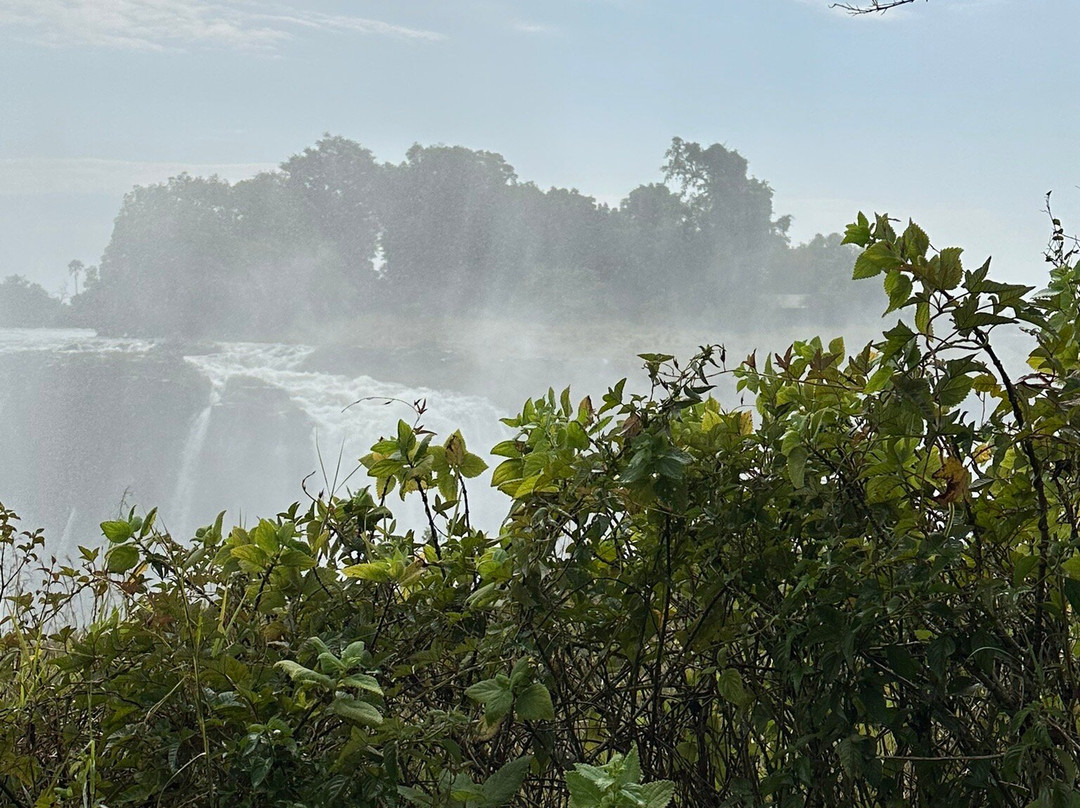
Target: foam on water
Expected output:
[67,341]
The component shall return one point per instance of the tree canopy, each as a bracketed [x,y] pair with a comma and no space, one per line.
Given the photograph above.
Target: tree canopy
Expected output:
[334,235]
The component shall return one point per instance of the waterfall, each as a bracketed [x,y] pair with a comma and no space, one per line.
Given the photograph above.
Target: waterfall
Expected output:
[189,464]
[67,538]
[345,416]
[103,418]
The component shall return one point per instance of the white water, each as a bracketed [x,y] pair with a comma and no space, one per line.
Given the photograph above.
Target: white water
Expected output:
[183,499]
[67,341]
[347,415]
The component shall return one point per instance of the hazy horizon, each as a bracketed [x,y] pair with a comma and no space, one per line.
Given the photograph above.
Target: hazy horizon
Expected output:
[948,112]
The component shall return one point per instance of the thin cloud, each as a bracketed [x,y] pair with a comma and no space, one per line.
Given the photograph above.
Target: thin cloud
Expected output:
[534,28]
[178,25]
[33,176]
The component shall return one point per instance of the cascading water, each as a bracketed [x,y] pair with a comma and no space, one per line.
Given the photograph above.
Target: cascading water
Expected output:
[92,426]
[344,414]
[189,460]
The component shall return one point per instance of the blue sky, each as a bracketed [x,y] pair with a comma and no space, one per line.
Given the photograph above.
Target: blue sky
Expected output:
[958,113]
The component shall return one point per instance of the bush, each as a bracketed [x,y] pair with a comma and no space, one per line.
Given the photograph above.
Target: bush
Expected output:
[864,591]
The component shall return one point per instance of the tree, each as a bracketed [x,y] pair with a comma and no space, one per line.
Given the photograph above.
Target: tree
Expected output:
[75,269]
[338,183]
[333,235]
[440,212]
[729,218]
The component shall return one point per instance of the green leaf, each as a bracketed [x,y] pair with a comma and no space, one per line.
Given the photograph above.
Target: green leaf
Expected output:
[377,571]
[504,785]
[952,271]
[584,792]
[630,766]
[507,448]
[916,242]
[466,791]
[363,681]
[534,704]
[898,287]
[494,694]
[657,794]
[850,758]
[730,685]
[251,557]
[298,673]
[415,796]
[875,259]
[576,437]
[485,691]
[952,392]
[1071,567]
[508,471]
[354,652]
[116,531]
[448,486]
[265,536]
[796,465]
[121,557]
[938,653]
[1023,567]
[922,317]
[406,438]
[1072,594]
[355,710]
[472,466]
[902,662]
[877,382]
[858,232]
[522,670]
[297,559]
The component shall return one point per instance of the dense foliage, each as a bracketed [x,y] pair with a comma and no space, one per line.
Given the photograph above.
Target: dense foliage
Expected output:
[452,232]
[861,591]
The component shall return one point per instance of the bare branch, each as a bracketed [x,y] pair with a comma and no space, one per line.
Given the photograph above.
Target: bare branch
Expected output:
[878,6]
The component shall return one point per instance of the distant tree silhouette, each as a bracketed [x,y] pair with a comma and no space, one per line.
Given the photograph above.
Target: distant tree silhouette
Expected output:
[75,269]
[333,236]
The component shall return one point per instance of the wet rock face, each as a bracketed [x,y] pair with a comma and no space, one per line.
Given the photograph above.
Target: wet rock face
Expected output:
[90,426]
[82,433]
[246,447]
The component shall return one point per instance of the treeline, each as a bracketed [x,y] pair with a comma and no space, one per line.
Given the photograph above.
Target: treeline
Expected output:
[333,235]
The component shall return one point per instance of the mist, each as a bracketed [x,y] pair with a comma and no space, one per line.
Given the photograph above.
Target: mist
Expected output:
[208,304]
[239,346]
[582,403]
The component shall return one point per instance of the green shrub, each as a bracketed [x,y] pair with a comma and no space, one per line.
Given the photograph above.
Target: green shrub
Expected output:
[861,591]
